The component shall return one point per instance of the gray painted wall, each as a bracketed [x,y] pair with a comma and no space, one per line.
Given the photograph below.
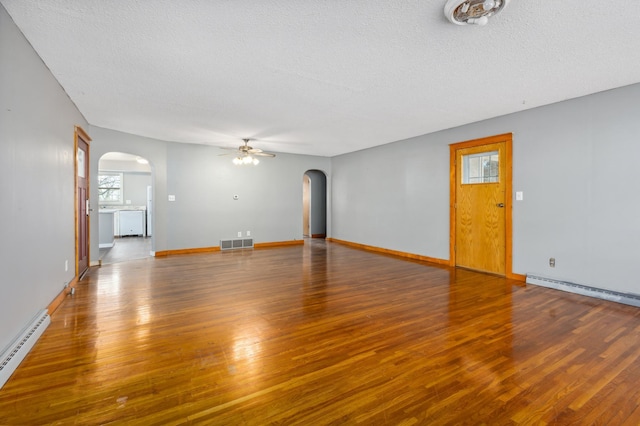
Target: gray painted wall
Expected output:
[103,141]
[575,161]
[269,203]
[269,195]
[37,155]
[135,188]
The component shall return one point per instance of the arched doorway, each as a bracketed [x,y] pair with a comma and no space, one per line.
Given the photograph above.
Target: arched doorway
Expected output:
[314,204]
[125,208]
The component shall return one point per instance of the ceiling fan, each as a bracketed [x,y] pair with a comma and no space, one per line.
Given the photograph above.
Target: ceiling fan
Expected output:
[246,154]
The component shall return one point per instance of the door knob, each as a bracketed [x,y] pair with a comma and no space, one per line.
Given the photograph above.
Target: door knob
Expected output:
[500,205]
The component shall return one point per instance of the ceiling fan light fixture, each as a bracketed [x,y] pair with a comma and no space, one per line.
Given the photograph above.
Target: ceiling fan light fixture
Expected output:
[245,160]
[246,154]
[472,12]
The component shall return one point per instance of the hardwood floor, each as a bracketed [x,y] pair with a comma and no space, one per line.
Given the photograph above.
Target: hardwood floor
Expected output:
[325,334]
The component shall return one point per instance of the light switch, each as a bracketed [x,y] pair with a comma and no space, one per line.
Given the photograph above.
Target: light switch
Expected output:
[172,197]
[519,196]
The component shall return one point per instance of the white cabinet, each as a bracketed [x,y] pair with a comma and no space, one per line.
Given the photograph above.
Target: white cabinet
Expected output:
[106,228]
[131,222]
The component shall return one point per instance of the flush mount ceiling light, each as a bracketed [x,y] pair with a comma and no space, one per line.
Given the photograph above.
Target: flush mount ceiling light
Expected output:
[472,12]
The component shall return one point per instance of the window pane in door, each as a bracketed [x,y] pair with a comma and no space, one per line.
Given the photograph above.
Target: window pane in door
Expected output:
[480,168]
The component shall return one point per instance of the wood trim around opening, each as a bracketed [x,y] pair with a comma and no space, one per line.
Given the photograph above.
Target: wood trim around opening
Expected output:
[78,131]
[84,135]
[508,139]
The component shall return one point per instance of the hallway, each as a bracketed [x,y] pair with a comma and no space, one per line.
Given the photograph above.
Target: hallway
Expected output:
[126,248]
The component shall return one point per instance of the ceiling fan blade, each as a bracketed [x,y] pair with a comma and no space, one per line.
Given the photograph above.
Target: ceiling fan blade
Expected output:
[245,150]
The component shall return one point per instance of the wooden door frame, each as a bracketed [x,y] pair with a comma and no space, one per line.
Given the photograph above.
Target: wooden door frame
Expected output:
[80,133]
[453,148]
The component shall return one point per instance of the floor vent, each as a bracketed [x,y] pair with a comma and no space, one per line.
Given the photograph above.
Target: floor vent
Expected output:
[20,347]
[613,296]
[237,243]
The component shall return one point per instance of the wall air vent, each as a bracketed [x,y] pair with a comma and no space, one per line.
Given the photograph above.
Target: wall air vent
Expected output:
[236,243]
[472,12]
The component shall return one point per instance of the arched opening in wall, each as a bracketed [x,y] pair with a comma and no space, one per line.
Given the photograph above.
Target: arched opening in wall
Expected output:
[125,207]
[314,204]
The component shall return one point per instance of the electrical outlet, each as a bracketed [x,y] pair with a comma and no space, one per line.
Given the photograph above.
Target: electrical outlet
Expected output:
[552,262]
[239,234]
[248,233]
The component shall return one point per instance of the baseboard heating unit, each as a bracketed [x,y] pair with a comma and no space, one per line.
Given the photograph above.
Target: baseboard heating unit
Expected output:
[613,296]
[19,348]
[236,243]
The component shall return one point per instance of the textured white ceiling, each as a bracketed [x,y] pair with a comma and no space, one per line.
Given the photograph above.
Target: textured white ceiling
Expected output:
[322,77]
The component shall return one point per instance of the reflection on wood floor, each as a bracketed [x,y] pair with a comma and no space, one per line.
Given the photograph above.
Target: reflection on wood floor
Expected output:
[126,248]
[325,334]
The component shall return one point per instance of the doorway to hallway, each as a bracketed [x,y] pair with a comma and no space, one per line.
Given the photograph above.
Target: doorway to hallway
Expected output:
[314,204]
[125,192]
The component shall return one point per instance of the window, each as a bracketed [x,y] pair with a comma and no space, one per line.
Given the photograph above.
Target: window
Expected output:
[109,188]
[480,168]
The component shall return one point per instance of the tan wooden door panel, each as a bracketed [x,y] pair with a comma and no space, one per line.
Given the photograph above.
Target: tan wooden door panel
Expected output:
[480,219]
[481,188]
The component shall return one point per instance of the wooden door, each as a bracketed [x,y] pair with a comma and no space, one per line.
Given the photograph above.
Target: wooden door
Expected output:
[482,205]
[82,201]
